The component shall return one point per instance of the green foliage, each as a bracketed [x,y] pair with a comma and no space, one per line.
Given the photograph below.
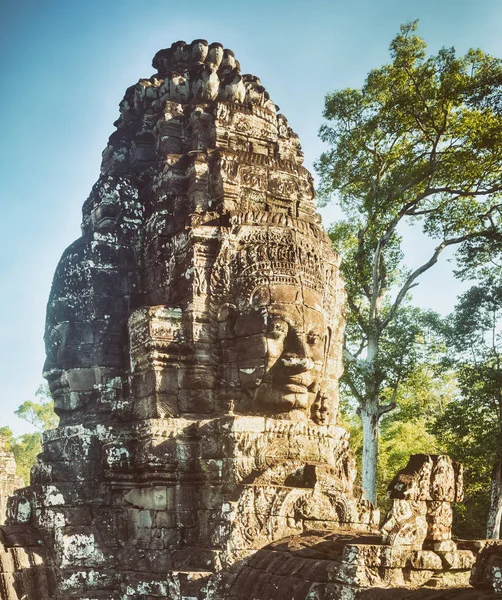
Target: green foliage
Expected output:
[39,413]
[420,142]
[399,441]
[470,429]
[350,420]
[406,342]
[422,397]
[422,136]
[6,436]
[462,434]
[26,447]
[479,259]
[421,400]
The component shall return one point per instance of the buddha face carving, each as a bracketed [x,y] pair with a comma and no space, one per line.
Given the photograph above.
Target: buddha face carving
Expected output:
[281,345]
[277,299]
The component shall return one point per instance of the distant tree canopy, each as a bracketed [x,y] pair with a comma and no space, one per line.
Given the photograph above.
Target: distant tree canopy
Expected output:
[471,427]
[26,447]
[40,413]
[419,143]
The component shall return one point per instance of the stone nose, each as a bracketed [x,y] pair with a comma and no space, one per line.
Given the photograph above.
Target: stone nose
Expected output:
[296,353]
[54,377]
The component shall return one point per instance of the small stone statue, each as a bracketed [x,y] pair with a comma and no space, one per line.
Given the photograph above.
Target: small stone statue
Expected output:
[422,494]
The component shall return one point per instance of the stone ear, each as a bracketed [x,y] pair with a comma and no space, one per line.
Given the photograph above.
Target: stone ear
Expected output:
[327,345]
[226,320]
[327,340]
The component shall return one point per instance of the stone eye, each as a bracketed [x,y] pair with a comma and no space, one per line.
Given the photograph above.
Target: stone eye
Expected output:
[277,329]
[313,338]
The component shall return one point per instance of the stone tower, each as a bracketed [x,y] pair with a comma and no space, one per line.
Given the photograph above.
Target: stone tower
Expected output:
[9,481]
[194,338]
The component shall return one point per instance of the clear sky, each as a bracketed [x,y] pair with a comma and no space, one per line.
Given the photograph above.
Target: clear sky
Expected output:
[65,65]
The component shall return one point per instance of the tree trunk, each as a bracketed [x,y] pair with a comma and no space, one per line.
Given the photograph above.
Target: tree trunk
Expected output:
[495,513]
[369,418]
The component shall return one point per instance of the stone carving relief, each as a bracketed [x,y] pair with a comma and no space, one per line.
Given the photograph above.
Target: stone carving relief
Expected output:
[422,494]
[275,323]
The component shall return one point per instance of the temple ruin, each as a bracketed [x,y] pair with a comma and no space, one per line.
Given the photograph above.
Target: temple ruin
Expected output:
[194,338]
[9,480]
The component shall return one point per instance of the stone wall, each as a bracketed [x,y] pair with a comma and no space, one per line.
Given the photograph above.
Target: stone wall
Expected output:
[9,480]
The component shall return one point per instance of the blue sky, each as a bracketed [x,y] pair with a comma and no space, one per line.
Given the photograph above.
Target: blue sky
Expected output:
[65,65]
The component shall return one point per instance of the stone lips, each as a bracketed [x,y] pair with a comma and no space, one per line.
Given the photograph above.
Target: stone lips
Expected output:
[175,458]
[264,267]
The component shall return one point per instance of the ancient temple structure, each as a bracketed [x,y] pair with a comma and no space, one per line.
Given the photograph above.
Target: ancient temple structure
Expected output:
[9,480]
[194,339]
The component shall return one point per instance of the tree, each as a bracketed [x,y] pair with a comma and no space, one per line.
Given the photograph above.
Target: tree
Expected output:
[420,142]
[26,447]
[6,436]
[40,413]
[421,399]
[471,427]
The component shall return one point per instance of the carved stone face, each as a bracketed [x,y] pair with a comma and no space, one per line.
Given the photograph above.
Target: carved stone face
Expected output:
[281,346]
[70,389]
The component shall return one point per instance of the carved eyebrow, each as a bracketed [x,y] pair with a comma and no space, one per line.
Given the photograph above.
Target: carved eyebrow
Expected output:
[297,325]
[315,327]
[315,331]
[278,317]
[276,312]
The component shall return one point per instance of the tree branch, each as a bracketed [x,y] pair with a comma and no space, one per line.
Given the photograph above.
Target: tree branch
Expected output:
[374,276]
[357,313]
[353,389]
[349,357]
[425,267]
[463,193]
[385,408]
[353,356]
